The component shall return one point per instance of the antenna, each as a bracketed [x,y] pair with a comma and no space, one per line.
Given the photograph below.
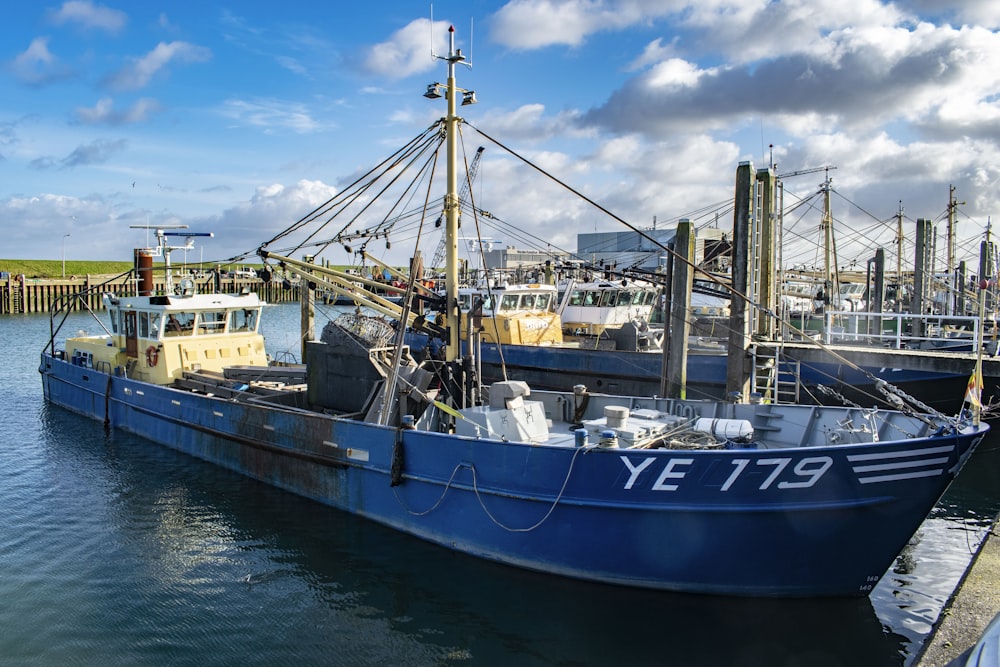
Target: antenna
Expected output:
[163,250]
[463,60]
[433,55]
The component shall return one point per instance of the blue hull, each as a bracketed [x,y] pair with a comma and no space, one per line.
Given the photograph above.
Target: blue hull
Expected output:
[798,522]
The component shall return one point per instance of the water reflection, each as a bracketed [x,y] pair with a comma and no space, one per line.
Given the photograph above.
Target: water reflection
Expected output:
[221,563]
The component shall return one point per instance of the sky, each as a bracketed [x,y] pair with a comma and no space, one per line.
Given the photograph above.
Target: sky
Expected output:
[239,118]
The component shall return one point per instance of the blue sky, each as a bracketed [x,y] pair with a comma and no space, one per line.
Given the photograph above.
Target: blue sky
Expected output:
[239,118]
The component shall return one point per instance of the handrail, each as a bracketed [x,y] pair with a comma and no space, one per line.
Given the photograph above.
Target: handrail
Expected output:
[62,305]
[858,327]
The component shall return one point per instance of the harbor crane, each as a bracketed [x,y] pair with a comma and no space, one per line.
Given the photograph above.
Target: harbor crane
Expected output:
[802,172]
[462,195]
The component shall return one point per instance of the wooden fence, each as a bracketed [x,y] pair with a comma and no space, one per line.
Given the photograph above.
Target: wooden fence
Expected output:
[36,295]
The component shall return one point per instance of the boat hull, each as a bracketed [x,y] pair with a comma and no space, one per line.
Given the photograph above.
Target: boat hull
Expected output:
[800,522]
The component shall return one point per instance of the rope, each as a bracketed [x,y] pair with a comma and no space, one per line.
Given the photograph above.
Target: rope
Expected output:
[482,504]
[433,507]
[555,502]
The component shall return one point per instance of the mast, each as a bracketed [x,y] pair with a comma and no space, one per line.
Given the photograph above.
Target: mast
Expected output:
[451,199]
[451,205]
[831,286]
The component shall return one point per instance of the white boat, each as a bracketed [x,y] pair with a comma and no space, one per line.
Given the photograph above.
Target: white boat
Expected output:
[591,308]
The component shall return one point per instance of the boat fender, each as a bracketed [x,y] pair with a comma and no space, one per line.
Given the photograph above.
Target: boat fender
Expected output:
[738,430]
[152,355]
[396,464]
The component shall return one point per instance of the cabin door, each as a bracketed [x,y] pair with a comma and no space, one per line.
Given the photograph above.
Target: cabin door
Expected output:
[131,338]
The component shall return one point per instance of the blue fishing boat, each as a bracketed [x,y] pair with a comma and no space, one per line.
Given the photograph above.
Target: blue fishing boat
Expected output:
[699,496]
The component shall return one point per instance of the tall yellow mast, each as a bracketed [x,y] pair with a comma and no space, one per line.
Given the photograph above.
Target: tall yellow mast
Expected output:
[451,212]
[451,198]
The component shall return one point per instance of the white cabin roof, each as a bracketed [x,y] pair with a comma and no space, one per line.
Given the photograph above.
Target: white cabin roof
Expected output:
[185,303]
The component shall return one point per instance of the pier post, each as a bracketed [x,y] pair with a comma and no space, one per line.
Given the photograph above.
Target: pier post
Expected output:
[986,268]
[675,358]
[737,376]
[921,269]
[876,300]
[961,308]
[307,299]
[766,264]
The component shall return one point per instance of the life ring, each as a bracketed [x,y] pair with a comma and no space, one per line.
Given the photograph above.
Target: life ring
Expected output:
[152,355]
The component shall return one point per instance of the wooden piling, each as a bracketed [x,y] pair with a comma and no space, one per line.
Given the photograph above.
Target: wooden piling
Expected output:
[737,375]
[680,322]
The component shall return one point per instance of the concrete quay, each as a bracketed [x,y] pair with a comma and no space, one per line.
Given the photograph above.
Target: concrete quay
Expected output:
[972,606]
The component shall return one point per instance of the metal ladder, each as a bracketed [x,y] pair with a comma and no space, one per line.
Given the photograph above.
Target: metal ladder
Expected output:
[775,377]
[16,298]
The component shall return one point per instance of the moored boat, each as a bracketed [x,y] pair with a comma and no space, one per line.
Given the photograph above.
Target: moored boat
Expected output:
[512,314]
[595,307]
[700,496]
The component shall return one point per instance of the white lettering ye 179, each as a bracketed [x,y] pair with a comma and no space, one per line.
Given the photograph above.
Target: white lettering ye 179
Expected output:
[802,475]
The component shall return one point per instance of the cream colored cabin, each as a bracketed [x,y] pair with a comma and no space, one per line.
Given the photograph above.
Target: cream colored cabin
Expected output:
[157,338]
[514,314]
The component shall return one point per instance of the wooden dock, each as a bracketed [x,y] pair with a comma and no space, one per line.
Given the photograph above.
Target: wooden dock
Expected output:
[21,295]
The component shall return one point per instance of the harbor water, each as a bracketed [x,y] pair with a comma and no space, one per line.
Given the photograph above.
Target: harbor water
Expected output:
[116,551]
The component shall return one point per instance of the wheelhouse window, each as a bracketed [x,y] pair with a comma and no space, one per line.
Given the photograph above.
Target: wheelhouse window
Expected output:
[243,320]
[509,302]
[179,324]
[212,322]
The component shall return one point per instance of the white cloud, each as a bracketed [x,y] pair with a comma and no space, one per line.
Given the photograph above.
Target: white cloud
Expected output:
[942,79]
[140,72]
[103,113]
[654,52]
[36,65]
[529,122]
[533,24]
[96,152]
[271,115]
[408,50]
[89,15]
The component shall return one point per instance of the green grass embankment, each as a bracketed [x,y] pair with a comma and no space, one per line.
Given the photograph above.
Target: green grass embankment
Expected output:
[53,268]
